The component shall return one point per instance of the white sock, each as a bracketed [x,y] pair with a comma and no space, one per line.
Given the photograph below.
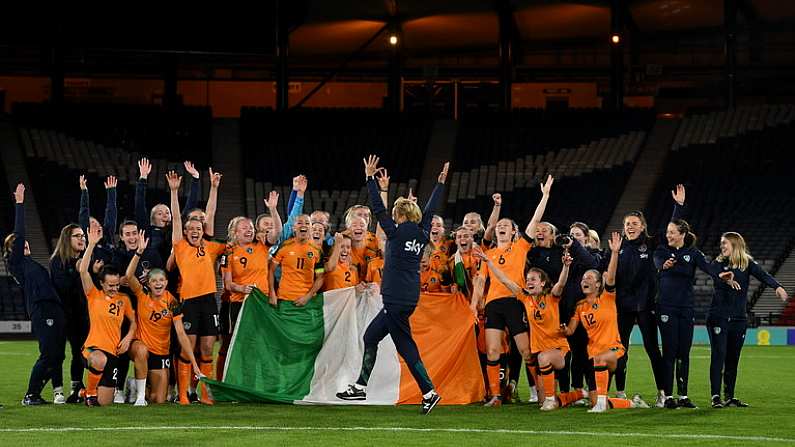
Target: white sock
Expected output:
[140,389]
[428,394]
[668,397]
[534,391]
[359,387]
[57,389]
[552,398]
[661,392]
[601,400]
[683,397]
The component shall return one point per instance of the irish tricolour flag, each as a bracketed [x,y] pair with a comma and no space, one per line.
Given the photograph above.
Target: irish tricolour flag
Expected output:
[291,354]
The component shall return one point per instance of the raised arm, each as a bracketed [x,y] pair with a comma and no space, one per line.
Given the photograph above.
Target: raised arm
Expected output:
[85,209]
[141,214]
[212,203]
[300,183]
[18,248]
[85,261]
[383,187]
[557,289]
[111,211]
[612,266]
[494,217]
[334,257]
[530,231]
[379,209]
[174,181]
[193,188]
[272,203]
[515,289]
[433,201]
[132,280]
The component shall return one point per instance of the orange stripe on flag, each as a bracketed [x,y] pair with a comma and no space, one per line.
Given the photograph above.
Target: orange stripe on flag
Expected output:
[443,327]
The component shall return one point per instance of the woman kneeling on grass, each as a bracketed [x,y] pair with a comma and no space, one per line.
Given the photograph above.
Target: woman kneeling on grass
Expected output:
[598,314]
[158,311]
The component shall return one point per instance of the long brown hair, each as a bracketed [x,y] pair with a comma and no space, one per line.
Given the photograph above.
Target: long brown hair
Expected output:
[542,275]
[684,228]
[63,248]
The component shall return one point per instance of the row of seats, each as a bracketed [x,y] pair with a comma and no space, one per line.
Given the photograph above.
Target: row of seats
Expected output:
[325,142]
[487,138]
[708,128]
[183,133]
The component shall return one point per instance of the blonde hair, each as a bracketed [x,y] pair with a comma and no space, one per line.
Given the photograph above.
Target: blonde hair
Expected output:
[408,209]
[739,258]
[232,227]
[481,228]
[349,215]
[8,244]
[593,239]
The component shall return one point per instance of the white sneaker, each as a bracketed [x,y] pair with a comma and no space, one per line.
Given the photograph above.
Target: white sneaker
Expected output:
[550,403]
[637,402]
[533,395]
[118,397]
[601,405]
[58,399]
[660,402]
[621,394]
[140,403]
[130,390]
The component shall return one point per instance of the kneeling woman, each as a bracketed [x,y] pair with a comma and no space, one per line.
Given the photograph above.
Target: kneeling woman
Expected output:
[549,348]
[107,309]
[158,311]
[597,312]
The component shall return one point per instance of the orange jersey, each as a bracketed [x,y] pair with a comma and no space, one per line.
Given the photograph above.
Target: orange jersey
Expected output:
[375,270]
[471,268]
[106,315]
[155,318]
[544,316]
[601,322]
[361,256]
[431,281]
[299,262]
[441,253]
[197,267]
[248,265]
[345,275]
[511,260]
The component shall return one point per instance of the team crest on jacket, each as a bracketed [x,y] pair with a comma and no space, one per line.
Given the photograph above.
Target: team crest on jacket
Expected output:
[643,248]
[186,325]
[686,258]
[50,322]
[716,330]
[664,318]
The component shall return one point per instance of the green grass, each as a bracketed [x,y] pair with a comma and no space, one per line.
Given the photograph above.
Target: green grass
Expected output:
[765,382]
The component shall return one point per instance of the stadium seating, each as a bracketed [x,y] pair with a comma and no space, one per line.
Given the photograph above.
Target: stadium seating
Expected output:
[738,178]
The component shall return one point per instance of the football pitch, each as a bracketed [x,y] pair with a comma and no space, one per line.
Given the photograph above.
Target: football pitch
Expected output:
[765,381]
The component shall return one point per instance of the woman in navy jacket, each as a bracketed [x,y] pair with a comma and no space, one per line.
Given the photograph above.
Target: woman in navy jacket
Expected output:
[727,319]
[43,305]
[676,262]
[636,288]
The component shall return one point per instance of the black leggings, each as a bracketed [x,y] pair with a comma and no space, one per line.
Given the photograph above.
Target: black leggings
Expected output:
[726,338]
[648,329]
[581,365]
[676,330]
[48,327]
[393,320]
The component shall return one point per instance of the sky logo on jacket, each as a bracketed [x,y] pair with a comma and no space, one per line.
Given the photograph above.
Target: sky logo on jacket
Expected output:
[413,246]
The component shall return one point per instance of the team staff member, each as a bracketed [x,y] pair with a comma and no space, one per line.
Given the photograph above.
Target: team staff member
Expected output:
[66,280]
[502,309]
[157,311]
[597,312]
[677,262]
[727,319]
[107,308]
[636,288]
[42,304]
[195,257]
[104,250]
[407,234]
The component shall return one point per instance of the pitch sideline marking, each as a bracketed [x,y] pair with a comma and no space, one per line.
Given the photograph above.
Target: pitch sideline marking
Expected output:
[402,429]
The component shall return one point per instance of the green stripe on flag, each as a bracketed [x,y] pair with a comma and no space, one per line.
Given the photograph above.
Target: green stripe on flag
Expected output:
[272,355]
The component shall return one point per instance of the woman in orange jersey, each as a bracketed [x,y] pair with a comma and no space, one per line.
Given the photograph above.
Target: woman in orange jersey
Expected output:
[339,272]
[435,276]
[195,257]
[597,312]
[548,346]
[158,310]
[302,268]
[502,309]
[107,308]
